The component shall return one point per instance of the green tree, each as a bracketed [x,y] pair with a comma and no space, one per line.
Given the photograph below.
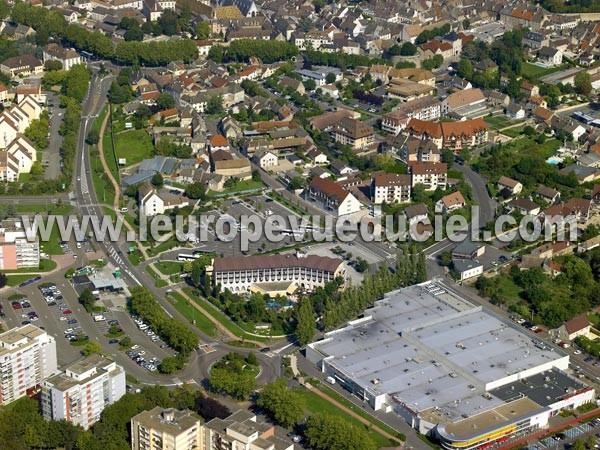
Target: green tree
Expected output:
[583,83]
[196,190]
[578,445]
[202,30]
[307,322]
[327,432]
[165,101]
[157,180]
[52,64]
[215,104]
[126,342]
[590,442]
[284,405]
[93,137]
[408,49]
[330,78]
[465,69]
[310,85]
[87,300]
[446,258]
[3,280]
[4,9]
[91,348]
[171,364]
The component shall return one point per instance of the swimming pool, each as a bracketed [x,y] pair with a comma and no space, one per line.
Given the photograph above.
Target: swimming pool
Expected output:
[554,160]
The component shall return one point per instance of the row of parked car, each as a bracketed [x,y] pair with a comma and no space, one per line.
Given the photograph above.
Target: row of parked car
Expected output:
[137,354]
[61,311]
[146,329]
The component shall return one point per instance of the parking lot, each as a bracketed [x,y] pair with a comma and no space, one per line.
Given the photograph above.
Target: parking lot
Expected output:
[568,435]
[62,313]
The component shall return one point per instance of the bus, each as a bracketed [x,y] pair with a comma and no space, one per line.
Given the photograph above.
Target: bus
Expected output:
[187,257]
[87,55]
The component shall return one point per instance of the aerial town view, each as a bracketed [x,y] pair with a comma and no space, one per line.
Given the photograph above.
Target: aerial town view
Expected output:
[286,225]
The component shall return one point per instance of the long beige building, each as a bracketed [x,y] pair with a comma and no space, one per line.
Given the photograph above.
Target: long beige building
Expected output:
[166,429]
[27,357]
[271,274]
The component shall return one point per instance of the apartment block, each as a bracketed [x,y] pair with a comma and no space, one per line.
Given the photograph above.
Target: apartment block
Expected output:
[16,250]
[390,188]
[166,429]
[80,394]
[431,175]
[27,357]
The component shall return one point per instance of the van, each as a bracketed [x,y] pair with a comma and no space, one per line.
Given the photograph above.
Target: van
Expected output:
[330,380]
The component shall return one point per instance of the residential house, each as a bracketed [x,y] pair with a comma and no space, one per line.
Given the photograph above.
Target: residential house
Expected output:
[237,167]
[535,41]
[219,142]
[390,188]
[578,209]
[292,84]
[340,168]
[332,196]
[498,99]
[550,56]
[513,187]
[266,160]
[153,201]
[317,156]
[524,206]
[416,213]
[515,111]
[584,174]
[530,90]
[547,194]
[431,175]
[486,67]
[453,135]
[450,202]
[573,328]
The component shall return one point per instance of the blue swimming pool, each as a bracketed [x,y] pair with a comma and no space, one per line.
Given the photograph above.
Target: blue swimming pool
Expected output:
[554,160]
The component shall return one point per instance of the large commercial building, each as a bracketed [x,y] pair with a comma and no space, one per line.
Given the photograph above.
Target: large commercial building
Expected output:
[27,357]
[452,370]
[166,429]
[275,273]
[16,249]
[80,394]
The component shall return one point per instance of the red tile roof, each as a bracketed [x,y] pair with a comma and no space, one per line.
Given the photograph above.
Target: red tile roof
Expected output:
[577,323]
[218,140]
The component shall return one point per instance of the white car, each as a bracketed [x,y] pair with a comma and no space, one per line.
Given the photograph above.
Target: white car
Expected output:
[577,352]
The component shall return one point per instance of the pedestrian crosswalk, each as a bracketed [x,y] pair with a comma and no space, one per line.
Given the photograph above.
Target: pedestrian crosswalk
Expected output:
[112,252]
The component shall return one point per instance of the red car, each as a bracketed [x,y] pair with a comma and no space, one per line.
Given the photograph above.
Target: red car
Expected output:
[16,305]
[67,312]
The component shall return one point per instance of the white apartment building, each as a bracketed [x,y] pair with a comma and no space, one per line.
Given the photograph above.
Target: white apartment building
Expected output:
[390,188]
[80,394]
[27,357]
[424,108]
[16,250]
[166,429]
[431,175]
[274,273]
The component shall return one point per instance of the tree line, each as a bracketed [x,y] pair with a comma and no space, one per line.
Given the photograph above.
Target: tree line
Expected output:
[241,50]
[132,52]
[22,427]
[345,61]
[175,333]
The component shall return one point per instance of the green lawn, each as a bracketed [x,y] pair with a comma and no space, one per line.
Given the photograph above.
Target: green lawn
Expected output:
[46,265]
[192,314]
[52,246]
[102,185]
[169,267]
[220,316]
[316,404]
[497,122]
[49,208]
[169,244]
[240,186]
[134,146]
[514,132]
[532,70]
[15,280]
[348,404]
[158,281]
